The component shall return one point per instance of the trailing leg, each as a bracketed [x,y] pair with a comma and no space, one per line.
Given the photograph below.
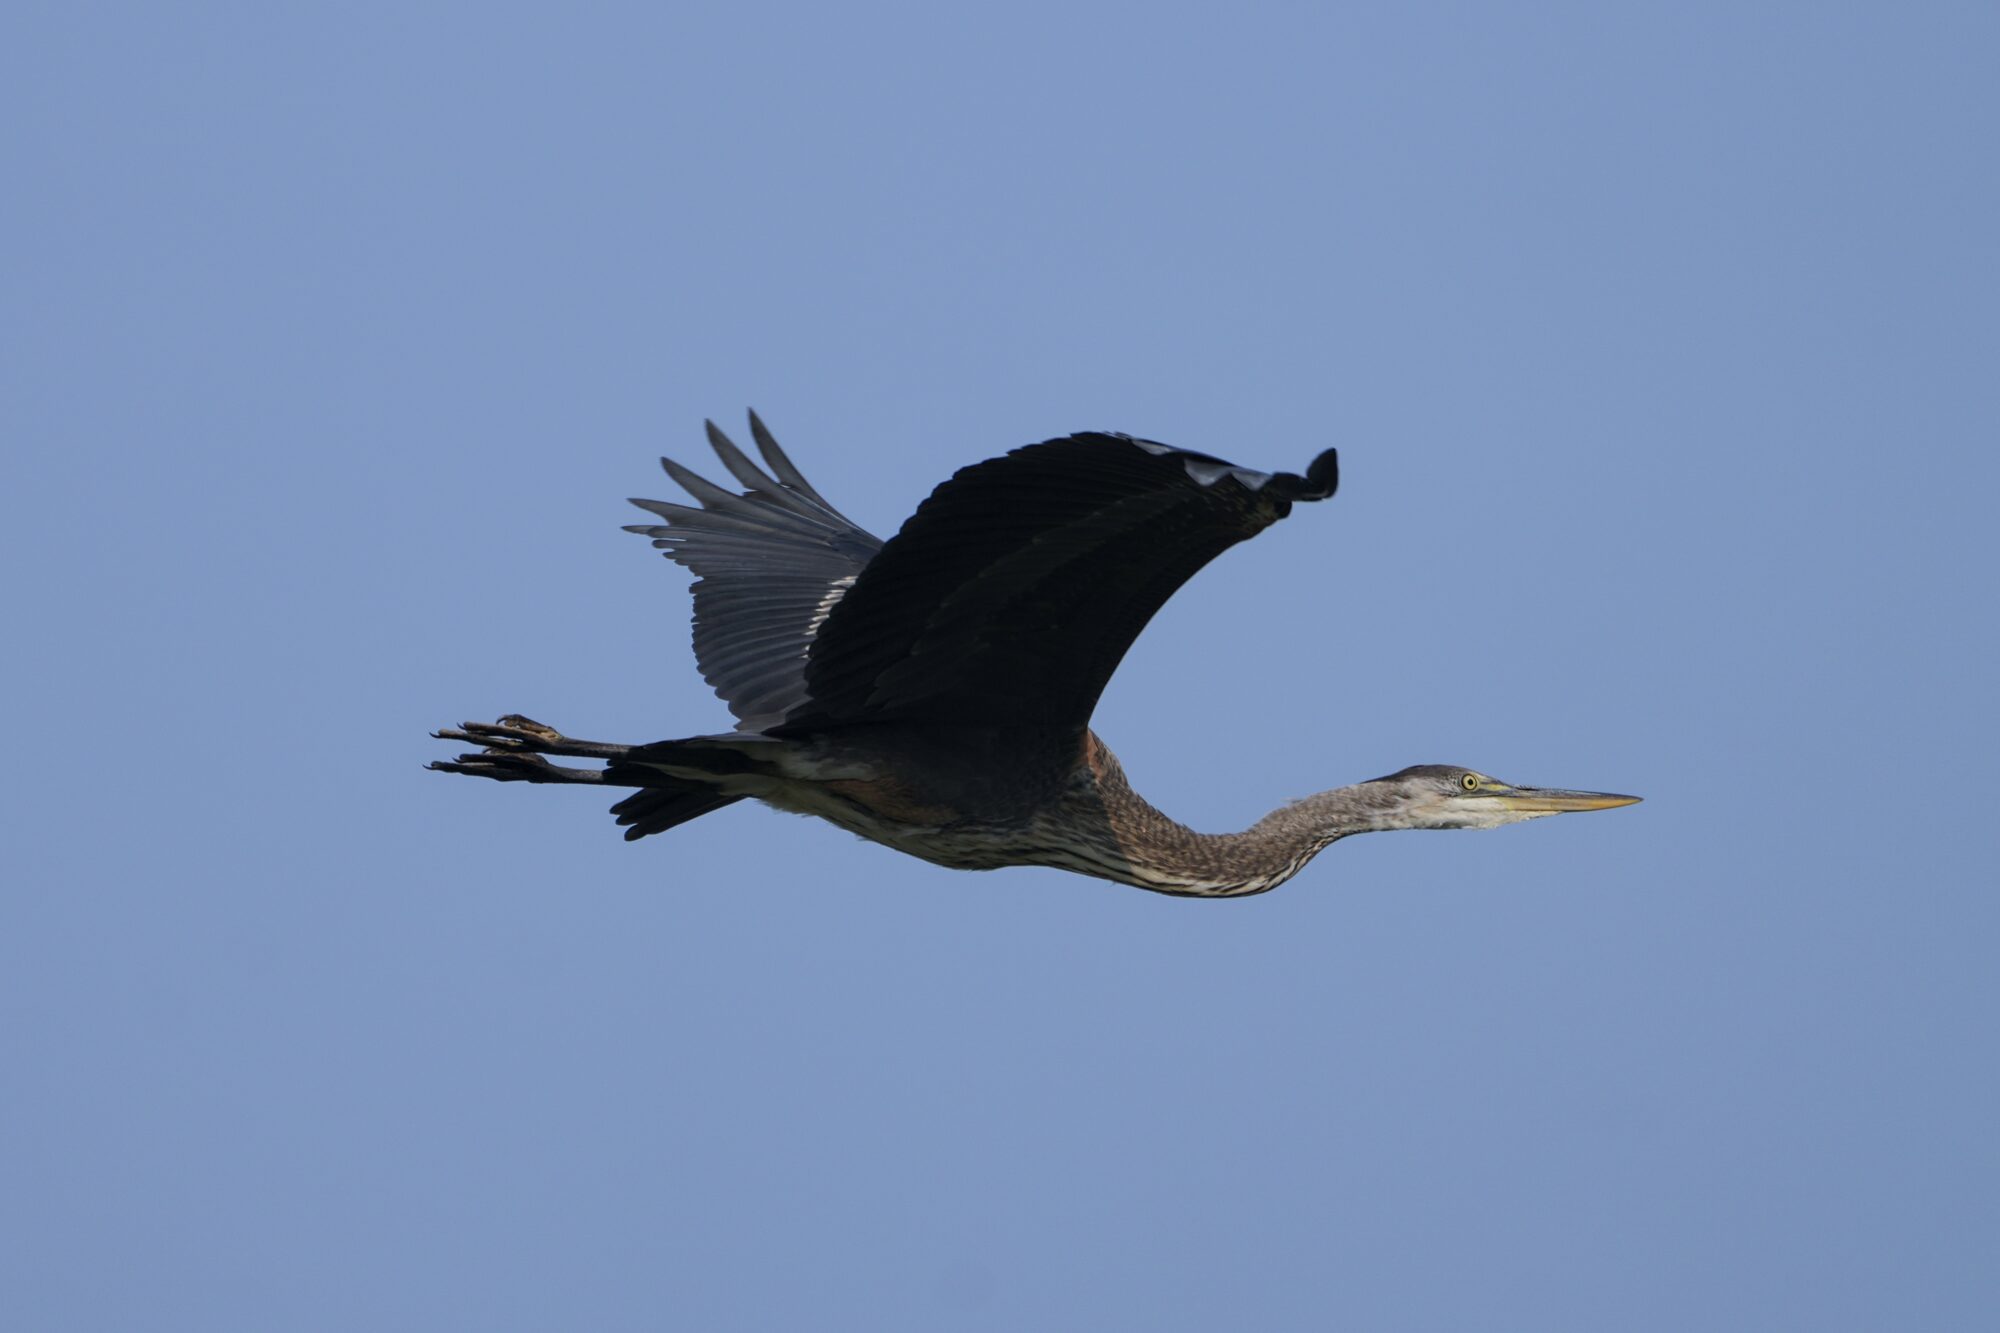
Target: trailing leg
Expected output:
[515,766]
[515,751]
[524,735]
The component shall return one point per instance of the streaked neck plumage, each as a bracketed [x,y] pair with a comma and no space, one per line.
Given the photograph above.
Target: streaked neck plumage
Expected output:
[1119,835]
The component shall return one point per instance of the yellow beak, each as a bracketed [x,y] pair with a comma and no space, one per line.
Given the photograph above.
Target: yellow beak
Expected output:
[1554,801]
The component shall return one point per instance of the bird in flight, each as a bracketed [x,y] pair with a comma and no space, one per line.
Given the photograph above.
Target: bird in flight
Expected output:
[933,692]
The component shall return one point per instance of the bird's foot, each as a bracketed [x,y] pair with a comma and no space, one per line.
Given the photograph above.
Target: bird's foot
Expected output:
[512,732]
[523,736]
[512,766]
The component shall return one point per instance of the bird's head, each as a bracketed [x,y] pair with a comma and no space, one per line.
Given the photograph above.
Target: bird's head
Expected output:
[1441,796]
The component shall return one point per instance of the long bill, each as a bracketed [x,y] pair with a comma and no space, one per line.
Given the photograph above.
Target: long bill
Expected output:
[1559,801]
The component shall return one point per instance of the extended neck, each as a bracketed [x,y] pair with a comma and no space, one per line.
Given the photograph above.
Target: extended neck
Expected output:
[1164,855]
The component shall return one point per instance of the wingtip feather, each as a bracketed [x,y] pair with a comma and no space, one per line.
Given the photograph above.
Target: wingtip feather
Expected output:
[780,463]
[740,467]
[1323,475]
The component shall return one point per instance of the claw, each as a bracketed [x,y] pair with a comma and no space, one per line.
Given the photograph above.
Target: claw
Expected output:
[502,765]
[517,735]
[504,734]
[541,731]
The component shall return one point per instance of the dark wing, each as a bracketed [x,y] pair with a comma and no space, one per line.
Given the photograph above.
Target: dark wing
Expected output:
[1011,594]
[773,562]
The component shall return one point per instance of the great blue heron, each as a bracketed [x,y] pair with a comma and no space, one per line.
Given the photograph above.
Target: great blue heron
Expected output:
[933,692]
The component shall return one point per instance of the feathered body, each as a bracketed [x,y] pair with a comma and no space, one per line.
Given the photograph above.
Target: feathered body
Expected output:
[933,693]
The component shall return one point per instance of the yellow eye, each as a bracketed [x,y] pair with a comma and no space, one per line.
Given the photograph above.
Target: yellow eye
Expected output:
[1470,781]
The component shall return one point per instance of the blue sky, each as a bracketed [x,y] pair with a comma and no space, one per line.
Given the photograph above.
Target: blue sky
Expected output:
[1659,344]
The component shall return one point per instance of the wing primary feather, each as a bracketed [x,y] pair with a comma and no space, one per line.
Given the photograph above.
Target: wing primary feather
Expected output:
[701,488]
[1322,476]
[770,563]
[732,517]
[777,460]
[740,467]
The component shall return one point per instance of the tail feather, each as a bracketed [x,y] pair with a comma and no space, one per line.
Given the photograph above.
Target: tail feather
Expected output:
[664,803]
